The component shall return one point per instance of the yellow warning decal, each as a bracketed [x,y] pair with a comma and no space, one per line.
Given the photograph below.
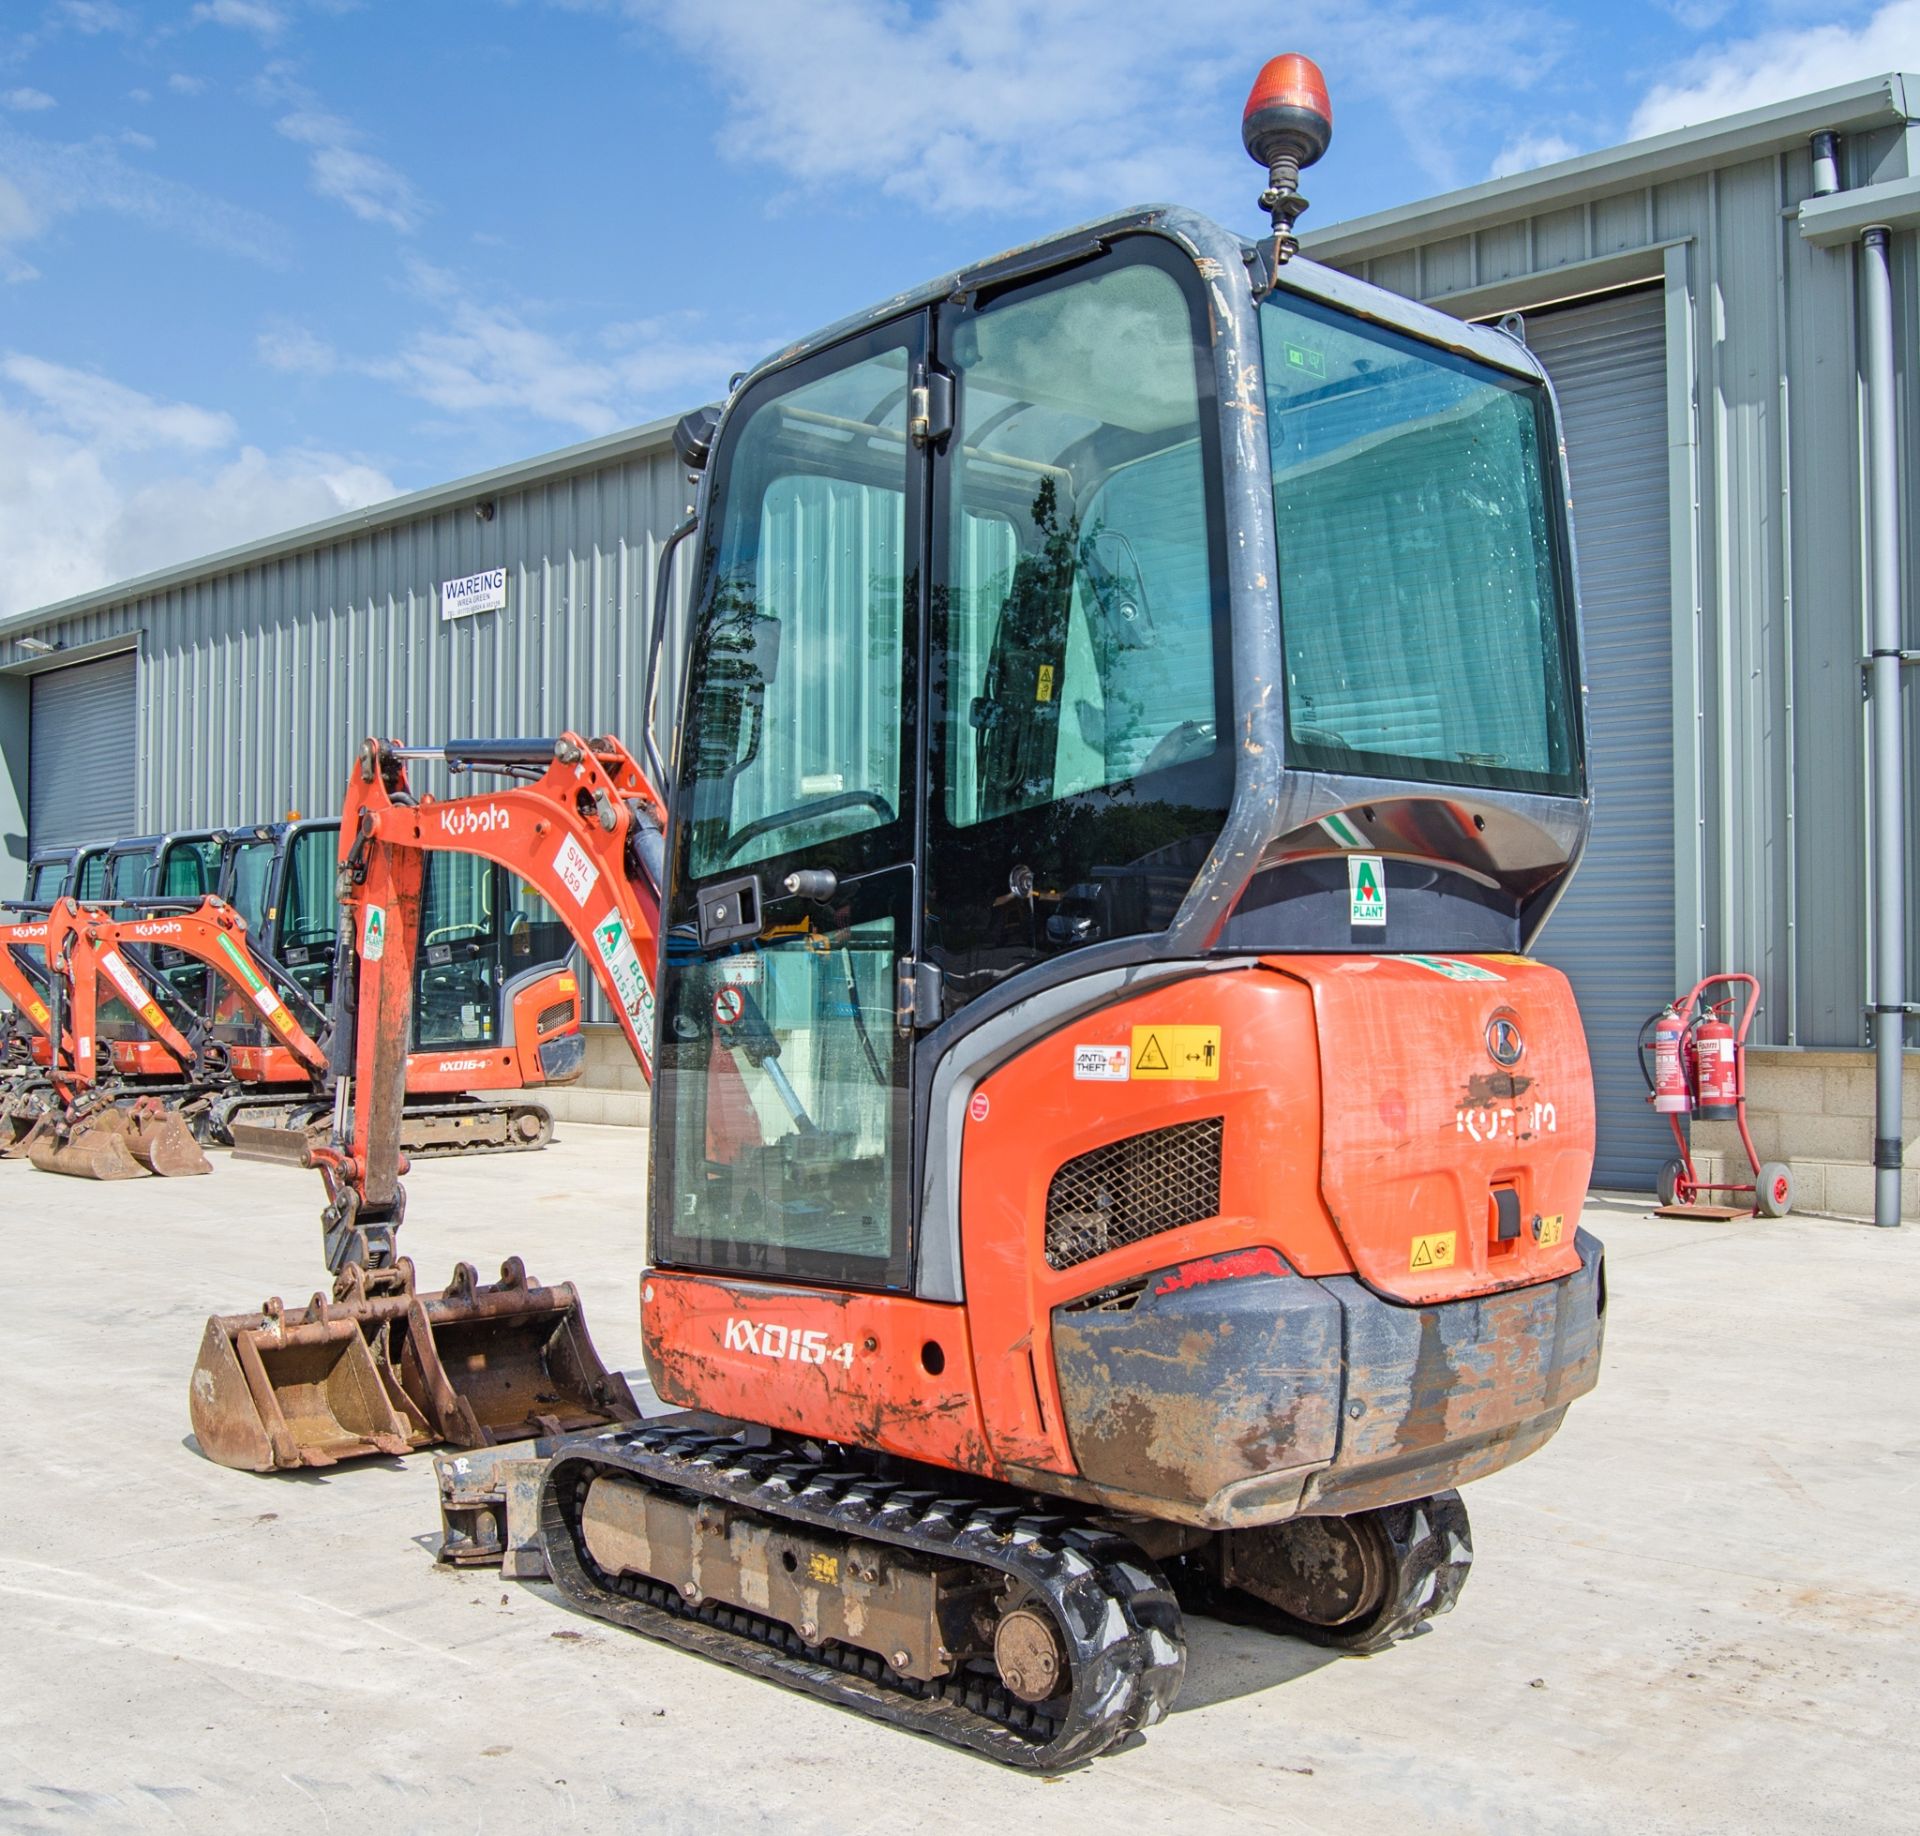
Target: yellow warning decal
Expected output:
[1190,1052]
[1433,1252]
[1043,689]
[38,1009]
[1550,1229]
[824,1569]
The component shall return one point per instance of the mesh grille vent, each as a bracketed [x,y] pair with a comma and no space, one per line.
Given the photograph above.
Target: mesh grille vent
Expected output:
[1128,1190]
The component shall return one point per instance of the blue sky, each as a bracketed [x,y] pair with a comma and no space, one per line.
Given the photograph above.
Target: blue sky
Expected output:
[264,260]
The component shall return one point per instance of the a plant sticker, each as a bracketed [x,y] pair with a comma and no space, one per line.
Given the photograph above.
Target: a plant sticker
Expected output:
[373,941]
[1366,889]
[628,978]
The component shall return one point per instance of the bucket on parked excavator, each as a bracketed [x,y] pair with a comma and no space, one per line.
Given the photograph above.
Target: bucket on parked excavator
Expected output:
[382,1369]
[115,1142]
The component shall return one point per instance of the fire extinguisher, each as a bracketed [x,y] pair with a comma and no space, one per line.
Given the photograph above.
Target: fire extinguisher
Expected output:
[1671,1093]
[1716,1067]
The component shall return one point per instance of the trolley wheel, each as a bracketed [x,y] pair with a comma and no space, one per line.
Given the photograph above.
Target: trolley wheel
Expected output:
[1669,1187]
[1774,1198]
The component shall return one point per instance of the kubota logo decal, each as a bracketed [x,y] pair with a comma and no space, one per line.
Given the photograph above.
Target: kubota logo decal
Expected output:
[789,1342]
[1504,1044]
[489,819]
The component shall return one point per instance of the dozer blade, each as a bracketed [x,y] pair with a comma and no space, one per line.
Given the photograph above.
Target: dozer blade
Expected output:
[381,1369]
[282,1144]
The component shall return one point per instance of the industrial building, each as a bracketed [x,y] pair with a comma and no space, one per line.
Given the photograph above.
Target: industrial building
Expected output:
[1707,304]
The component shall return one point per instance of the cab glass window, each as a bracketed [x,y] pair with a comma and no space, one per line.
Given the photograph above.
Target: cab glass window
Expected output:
[1424,598]
[794,736]
[1080,631]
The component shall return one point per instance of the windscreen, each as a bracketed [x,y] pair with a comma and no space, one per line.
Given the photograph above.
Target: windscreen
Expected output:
[1423,587]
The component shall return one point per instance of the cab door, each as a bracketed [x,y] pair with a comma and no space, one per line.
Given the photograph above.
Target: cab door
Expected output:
[783,1069]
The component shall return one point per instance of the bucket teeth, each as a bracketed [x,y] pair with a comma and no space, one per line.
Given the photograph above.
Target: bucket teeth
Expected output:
[381,1369]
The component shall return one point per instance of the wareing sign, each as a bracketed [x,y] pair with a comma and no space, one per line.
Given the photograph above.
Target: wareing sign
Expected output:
[473,593]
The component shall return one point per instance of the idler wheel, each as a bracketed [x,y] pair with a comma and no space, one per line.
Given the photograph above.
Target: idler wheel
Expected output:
[1027,1653]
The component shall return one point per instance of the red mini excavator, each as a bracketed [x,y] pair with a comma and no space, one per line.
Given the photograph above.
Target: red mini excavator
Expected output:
[1111,1153]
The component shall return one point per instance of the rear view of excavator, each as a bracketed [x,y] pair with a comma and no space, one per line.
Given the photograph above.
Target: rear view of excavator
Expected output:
[1112,1156]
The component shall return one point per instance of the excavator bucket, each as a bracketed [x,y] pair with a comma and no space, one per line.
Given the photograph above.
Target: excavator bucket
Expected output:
[507,1362]
[115,1143]
[162,1141]
[381,1369]
[271,1393]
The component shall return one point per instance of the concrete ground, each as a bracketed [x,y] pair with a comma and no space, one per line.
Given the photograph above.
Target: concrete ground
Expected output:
[1697,1609]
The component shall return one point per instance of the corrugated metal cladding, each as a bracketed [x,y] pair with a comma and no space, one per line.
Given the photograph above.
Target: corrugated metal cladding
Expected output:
[1764,423]
[82,752]
[1613,932]
[256,687]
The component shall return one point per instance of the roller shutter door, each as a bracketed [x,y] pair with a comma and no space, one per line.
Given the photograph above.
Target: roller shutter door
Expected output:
[80,754]
[1613,932]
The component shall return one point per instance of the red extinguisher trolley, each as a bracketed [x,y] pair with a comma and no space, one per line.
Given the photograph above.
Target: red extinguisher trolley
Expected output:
[1694,1058]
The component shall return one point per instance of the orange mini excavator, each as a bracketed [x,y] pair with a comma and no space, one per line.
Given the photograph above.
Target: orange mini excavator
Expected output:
[496,1009]
[1111,1153]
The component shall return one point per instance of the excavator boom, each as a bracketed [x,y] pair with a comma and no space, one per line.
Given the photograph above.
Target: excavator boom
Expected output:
[379,1367]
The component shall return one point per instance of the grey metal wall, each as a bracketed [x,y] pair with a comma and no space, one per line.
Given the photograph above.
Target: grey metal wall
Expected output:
[1613,931]
[255,687]
[1764,429]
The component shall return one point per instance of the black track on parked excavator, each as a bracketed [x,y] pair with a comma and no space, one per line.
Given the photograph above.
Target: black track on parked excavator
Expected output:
[1125,1643]
[428,1131]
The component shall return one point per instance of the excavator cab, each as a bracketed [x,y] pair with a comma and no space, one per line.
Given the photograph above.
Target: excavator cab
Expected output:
[1119,673]
[80,870]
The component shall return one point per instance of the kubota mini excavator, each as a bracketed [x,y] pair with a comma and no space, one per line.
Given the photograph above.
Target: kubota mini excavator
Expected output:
[1110,1150]
[85,1115]
[496,1008]
[379,1367]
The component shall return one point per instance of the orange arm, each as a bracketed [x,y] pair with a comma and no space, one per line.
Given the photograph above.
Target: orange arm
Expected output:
[579,822]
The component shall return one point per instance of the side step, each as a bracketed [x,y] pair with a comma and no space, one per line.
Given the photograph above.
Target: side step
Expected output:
[380,1369]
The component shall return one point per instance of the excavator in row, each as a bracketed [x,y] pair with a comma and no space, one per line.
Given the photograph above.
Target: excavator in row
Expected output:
[188,1015]
[1112,1155]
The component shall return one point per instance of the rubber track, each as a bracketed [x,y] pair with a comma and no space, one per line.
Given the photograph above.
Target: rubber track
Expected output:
[1127,1647]
[1431,1548]
[444,1150]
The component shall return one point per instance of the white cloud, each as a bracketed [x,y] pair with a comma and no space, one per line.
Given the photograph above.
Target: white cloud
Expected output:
[132,137]
[27,101]
[18,223]
[295,350]
[95,16]
[1526,151]
[341,169]
[109,415]
[257,16]
[487,357]
[1775,65]
[1006,105]
[82,506]
[183,85]
[52,179]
